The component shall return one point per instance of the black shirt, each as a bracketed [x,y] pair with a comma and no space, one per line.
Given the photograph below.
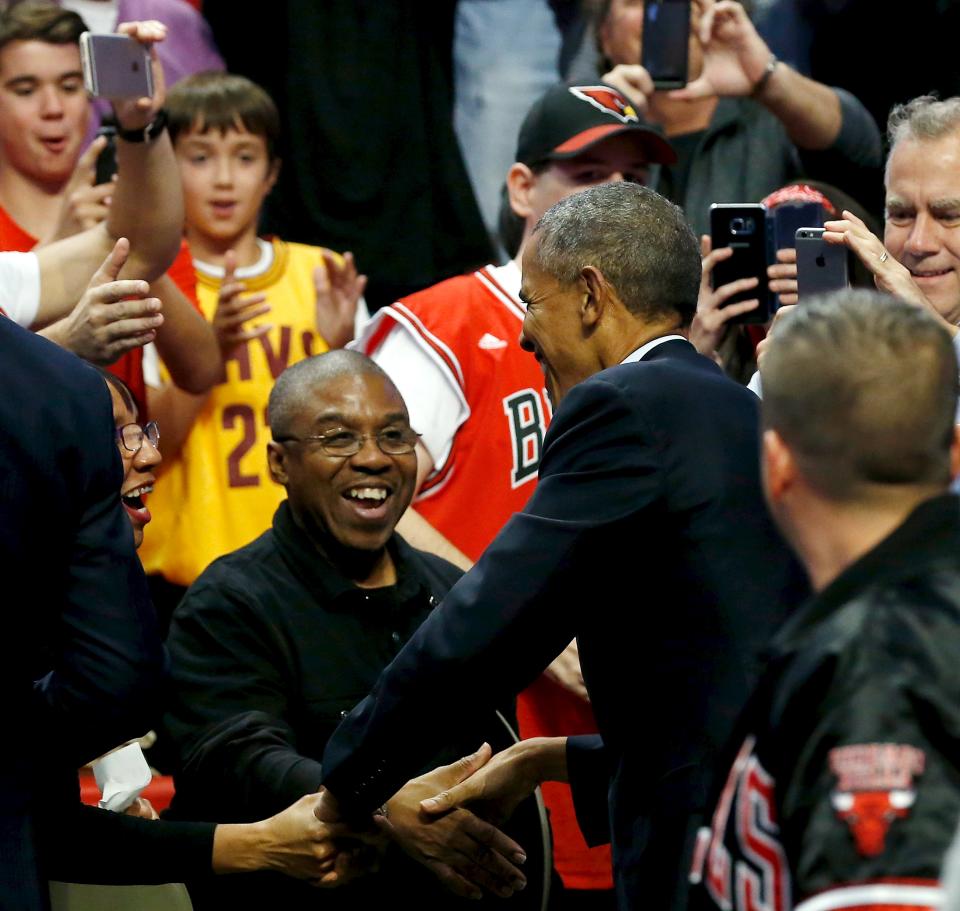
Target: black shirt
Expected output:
[269,648]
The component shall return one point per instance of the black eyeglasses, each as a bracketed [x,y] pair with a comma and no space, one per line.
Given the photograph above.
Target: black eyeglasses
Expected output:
[131,436]
[345,443]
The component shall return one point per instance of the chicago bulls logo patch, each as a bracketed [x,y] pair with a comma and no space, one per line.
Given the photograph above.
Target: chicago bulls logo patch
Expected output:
[607,100]
[874,788]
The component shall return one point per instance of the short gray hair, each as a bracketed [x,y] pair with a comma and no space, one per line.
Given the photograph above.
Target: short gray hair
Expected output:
[926,117]
[636,238]
[296,383]
[863,388]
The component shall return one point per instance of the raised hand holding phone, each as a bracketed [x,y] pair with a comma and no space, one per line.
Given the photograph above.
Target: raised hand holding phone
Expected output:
[744,229]
[821,268]
[713,310]
[665,43]
[735,57]
[139,112]
[115,66]
[888,274]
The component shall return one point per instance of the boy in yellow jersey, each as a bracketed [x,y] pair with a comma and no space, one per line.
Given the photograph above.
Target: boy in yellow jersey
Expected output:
[273,303]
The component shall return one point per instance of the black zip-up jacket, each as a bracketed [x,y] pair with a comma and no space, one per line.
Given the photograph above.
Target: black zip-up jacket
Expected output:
[845,787]
[269,648]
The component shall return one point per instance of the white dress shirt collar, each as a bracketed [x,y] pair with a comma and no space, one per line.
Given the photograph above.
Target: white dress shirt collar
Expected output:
[643,350]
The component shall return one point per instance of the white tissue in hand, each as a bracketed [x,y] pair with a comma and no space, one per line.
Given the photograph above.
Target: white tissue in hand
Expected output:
[121,776]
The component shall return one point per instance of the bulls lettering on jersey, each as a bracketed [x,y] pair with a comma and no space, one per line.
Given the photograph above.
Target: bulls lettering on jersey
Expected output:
[754,876]
[468,327]
[527,427]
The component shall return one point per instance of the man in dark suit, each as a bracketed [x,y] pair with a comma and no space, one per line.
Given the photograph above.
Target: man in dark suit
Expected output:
[647,538]
[81,655]
[81,659]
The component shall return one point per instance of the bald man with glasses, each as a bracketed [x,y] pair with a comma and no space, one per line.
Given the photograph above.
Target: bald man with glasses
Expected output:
[276,641]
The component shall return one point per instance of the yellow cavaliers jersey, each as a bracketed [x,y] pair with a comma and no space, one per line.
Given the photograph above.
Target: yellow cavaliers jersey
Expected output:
[217,494]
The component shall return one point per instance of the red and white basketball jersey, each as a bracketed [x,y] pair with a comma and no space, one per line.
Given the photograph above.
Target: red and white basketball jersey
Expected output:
[469,328]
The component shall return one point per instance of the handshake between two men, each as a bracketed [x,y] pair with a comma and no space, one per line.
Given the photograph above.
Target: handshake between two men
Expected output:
[430,821]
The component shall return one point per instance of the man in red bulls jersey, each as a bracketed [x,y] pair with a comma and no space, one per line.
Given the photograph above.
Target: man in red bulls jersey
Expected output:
[843,791]
[479,400]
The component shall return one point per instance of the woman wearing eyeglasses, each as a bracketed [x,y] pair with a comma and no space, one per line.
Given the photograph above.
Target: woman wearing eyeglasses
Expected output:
[139,451]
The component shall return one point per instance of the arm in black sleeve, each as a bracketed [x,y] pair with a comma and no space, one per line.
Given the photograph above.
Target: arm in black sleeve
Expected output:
[229,712]
[588,768]
[85,844]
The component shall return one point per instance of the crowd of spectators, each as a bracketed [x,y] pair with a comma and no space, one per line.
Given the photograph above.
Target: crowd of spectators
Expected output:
[420,305]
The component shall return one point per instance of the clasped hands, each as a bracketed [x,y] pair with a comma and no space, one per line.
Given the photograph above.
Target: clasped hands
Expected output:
[427,819]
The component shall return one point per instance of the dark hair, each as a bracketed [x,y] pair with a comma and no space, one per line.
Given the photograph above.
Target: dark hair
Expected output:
[863,389]
[639,241]
[223,101]
[39,20]
[123,390]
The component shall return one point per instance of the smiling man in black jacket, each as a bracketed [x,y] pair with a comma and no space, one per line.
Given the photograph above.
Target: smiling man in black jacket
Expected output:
[275,642]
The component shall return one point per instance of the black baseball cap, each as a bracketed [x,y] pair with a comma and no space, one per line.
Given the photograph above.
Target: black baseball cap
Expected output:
[569,119]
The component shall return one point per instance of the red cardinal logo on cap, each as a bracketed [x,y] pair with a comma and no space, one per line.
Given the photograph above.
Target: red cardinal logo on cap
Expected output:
[607,100]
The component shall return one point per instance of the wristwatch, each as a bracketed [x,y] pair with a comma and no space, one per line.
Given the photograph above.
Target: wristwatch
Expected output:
[148,133]
[761,83]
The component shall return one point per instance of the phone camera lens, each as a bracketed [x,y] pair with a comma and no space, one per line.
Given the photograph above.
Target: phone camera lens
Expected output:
[736,225]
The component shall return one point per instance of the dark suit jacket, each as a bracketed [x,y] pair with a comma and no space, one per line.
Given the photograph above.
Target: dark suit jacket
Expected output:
[648,538]
[80,658]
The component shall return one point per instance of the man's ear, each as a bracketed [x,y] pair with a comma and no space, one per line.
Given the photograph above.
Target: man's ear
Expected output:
[955,453]
[520,182]
[594,299]
[277,462]
[779,466]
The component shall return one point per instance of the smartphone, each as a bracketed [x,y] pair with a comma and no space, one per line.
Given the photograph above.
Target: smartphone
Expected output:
[821,267]
[107,159]
[664,46]
[115,66]
[789,217]
[746,229]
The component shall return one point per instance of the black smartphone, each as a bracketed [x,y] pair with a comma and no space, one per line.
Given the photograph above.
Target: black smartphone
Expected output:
[665,43]
[789,217]
[107,159]
[821,267]
[745,228]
